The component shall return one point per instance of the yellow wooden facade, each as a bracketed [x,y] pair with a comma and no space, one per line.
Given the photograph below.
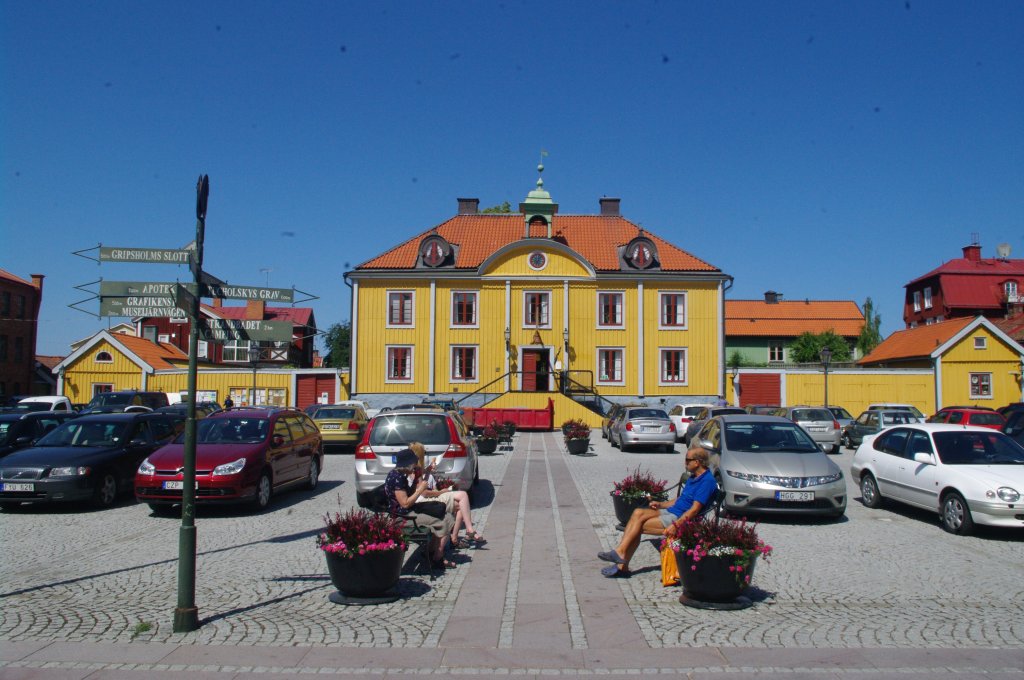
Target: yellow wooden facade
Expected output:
[981,354]
[573,288]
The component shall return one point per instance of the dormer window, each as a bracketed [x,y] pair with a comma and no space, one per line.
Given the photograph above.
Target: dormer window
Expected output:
[104,358]
[928,297]
[641,253]
[1010,287]
[435,251]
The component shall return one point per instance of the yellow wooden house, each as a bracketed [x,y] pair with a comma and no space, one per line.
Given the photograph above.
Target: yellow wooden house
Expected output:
[536,305]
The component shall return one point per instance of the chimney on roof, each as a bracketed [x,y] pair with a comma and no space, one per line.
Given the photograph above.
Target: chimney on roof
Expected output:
[255,309]
[610,206]
[469,206]
[771,297]
[972,253]
[37,281]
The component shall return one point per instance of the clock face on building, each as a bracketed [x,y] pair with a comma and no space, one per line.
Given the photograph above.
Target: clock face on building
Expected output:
[538,260]
[640,255]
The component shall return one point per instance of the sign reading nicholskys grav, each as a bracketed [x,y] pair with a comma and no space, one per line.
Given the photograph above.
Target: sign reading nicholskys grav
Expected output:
[160,255]
[224,291]
[222,330]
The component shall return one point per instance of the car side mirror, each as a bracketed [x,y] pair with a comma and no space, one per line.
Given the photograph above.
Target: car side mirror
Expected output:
[277,440]
[138,443]
[24,441]
[924,458]
[706,444]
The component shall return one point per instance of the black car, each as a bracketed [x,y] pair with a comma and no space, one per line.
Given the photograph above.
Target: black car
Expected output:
[203,409]
[117,402]
[20,428]
[91,458]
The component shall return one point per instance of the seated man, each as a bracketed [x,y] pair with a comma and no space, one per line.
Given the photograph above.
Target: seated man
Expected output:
[661,517]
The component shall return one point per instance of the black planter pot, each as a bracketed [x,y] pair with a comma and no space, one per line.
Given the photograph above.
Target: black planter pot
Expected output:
[577,446]
[486,446]
[365,579]
[624,508]
[712,582]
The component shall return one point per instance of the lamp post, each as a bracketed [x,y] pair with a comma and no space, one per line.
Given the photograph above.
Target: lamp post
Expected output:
[826,357]
[508,340]
[254,358]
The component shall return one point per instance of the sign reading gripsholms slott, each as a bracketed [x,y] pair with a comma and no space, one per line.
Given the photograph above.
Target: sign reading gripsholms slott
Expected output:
[156,255]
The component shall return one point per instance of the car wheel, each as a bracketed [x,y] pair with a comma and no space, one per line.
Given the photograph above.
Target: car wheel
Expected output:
[604,434]
[956,516]
[105,492]
[845,441]
[611,440]
[869,491]
[314,474]
[835,449]
[264,489]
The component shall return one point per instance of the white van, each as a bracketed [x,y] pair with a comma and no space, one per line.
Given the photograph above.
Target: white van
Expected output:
[58,404]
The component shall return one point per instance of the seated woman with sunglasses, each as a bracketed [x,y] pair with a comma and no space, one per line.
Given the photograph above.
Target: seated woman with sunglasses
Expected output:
[403,494]
[660,518]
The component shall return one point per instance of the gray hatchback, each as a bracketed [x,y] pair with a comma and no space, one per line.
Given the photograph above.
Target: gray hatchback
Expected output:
[818,422]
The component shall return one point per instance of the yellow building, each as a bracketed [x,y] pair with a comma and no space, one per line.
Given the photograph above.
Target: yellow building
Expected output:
[537,302]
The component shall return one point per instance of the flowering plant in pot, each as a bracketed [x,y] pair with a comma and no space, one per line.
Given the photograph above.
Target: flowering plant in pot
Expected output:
[577,436]
[716,557]
[487,440]
[637,490]
[364,551]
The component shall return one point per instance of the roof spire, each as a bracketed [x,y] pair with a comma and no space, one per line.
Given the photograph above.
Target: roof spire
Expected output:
[538,204]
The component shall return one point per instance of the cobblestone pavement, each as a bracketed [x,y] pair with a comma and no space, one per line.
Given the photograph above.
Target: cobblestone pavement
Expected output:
[887,578]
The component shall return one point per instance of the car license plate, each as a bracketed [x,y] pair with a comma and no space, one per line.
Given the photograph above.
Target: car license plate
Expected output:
[176,486]
[650,429]
[794,495]
[332,426]
[12,486]
[817,429]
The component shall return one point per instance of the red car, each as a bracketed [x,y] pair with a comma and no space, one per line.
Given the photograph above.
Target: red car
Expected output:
[244,455]
[968,415]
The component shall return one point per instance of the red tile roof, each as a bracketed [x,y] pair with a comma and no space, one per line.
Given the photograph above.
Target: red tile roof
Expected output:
[790,318]
[157,355]
[975,291]
[299,316]
[595,237]
[915,343]
[4,274]
[986,266]
[48,361]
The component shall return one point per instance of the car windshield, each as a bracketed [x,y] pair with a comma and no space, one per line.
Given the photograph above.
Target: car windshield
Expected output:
[727,411]
[111,399]
[811,414]
[400,429]
[692,410]
[247,430]
[32,406]
[977,448]
[896,418]
[647,413]
[986,419]
[766,437]
[335,413]
[840,412]
[91,433]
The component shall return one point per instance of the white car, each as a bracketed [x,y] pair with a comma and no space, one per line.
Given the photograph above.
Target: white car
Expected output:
[682,415]
[966,474]
[887,406]
[46,403]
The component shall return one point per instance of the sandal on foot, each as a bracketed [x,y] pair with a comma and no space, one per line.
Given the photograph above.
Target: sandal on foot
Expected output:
[614,572]
[460,543]
[610,556]
[476,537]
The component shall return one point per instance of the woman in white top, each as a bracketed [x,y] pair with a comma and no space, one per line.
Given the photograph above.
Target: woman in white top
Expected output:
[455,500]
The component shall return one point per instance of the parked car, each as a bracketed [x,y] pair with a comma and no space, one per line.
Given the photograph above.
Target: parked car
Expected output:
[968,475]
[1012,407]
[642,426]
[613,412]
[842,416]
[873,422]
[85,458]
[769,464]
[340,425]
[450,446]
[45,403]
[704,416]
[203,409]
[20,430]
[886,406]
[760,409]
[969,415]
[817,421]
[117,402]
[682,415]
[1014,427]
[243,455]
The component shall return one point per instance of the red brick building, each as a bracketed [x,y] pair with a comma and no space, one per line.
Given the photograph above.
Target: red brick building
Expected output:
[19,321]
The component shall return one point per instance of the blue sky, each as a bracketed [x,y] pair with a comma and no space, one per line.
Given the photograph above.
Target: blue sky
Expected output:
[825,150]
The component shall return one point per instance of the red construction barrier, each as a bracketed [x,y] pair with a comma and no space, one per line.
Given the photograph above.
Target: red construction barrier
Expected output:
[524,418]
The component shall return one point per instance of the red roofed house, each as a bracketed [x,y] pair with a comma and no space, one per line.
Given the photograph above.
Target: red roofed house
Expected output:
[503,304]
[19,321]
[761,330]
[966,287]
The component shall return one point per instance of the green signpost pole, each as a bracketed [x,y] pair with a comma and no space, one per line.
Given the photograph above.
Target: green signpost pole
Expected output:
[186,614]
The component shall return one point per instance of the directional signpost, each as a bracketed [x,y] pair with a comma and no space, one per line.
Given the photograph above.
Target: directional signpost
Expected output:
[224,330]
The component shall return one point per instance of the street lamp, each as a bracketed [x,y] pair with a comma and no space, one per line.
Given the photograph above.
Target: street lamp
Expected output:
[826,357]
[508,340]
[254,358]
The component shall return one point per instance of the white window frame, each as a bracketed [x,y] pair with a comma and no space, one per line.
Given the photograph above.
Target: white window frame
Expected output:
[686,310]
[109,388]
[203,349]
[412,309]
[475,378]
[981,385]
[917,301]
[928,297]
[1010,288]
[980,342]
[475,323]
[662,380]
[621,321]
[618,379]
[781,347]
[235,346]
[546,309]
[100,360]
[387,364]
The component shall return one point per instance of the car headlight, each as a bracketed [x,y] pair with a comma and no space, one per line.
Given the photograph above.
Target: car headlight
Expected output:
[147,468]
[746,477]
[230,468]
[827,479]
[69,471]
[1008,494]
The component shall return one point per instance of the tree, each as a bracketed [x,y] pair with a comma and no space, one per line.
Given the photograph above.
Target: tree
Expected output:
[735,359]
[870,335]
[338,341]
[806,349]
[503,208]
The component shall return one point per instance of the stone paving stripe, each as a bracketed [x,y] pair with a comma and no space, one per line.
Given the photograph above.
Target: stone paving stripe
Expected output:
[508,612]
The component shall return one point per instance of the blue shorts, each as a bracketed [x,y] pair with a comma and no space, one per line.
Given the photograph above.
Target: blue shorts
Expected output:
[668,518]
